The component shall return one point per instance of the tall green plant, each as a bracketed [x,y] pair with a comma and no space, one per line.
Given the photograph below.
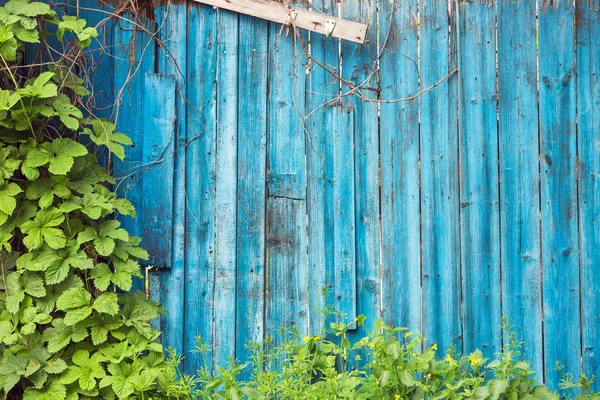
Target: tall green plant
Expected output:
[68,327]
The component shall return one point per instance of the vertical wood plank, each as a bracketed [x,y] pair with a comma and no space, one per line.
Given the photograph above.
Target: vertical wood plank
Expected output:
[136,48]
[439,181]
[321,88]
[519,174]
[287,288]
[200,181]
[399,136]
[344,250]
[588,119]
[171,59]
[101,53]
[157,203]
[226,187]
[479,202]
[358,67]
[252,137]
[560,256]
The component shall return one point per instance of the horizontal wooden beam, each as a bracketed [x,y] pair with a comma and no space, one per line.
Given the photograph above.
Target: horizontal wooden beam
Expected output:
[304,19]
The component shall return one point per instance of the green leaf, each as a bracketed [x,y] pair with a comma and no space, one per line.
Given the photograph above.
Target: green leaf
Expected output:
[107,303]
[74,298]
[55,366]
[69,115]
[24,8]
[102,275]
[42,228]
[54,390]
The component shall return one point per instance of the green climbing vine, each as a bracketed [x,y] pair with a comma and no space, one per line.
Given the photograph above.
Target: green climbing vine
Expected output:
[69,327]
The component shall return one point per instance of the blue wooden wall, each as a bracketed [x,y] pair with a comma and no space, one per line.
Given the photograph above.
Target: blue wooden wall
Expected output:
[442,176]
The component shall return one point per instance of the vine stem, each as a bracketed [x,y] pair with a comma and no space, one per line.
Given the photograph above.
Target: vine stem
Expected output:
[12,77]
[4,276]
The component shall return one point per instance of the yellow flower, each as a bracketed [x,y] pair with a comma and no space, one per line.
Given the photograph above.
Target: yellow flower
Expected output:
[317,338]
[408,334]
[434,346]
[357,357]
[372,345]
[397,397]
[449,358]
[414,355]
[306,339]
[473,360]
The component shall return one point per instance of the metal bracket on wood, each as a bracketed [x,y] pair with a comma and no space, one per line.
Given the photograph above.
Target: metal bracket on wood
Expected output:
[275,11]
[329,27]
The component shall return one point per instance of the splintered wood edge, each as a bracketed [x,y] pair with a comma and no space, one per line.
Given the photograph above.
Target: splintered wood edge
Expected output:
[304,19]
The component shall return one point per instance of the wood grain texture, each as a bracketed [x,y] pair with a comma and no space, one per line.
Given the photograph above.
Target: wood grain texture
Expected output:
[560,258]
[439,181]
[399,150]
[201,92]
[588,120]
[286,241]
[129,80]
[358,67]
[172,60]
[479,199]
[226,187]
[519,174]
[252,138]
[322,86]
[277,12]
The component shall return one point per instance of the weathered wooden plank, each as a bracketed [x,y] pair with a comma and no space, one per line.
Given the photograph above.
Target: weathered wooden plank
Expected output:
[519,178]
[322,86]
[287,287]
[136,48]
[560,256]
[200,182]
[100,53]
[358,65]
[252,138]
[226,187]
[439,181]
[344,250]
[588,120]
[304,19]
[157,203]
[479,201]
[171,59]
[399,136]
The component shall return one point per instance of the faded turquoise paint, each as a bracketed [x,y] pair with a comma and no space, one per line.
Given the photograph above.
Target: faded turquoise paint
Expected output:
[558,173]
[200,182]
[479,205]
[519,174]
[266,206]
[588,114]
[399,152]
[440,239]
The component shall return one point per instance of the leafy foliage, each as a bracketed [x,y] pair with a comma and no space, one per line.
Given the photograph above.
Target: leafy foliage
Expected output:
[388,364]
[65,330]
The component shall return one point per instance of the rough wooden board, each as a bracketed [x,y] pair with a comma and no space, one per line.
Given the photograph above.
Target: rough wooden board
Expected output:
[310,20]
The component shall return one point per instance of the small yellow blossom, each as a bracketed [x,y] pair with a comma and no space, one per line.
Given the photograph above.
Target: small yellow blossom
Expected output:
[306,339]
[397,397]
[317,338]
[408,334]
[372,345]
[473,360]
[357,357]
[414,355]
[434,346]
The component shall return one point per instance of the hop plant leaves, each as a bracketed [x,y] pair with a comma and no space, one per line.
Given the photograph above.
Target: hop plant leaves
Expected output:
[59,155]
[43,229]
[60,245]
